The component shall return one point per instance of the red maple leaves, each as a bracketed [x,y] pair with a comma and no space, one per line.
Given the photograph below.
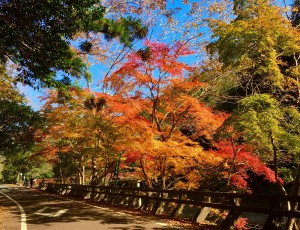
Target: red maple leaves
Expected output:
[244,160]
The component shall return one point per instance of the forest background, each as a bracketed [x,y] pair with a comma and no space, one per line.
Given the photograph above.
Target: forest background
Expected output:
[176,94]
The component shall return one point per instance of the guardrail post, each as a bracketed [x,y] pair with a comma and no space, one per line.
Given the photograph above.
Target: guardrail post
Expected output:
[92,196]
[179,209]
[232,216]
[272,220]
[156,203]
[146,202]
[138,184]
[204,211]
[175,212]
[137,202]
[160,204]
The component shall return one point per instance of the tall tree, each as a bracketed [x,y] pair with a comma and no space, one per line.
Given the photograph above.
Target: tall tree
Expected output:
[263,124]
[36,36]
[17,120]
[80,130]
[263,46]
[157,100]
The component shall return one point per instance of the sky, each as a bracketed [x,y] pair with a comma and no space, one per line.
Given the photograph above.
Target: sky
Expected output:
[33,96]
[97,70]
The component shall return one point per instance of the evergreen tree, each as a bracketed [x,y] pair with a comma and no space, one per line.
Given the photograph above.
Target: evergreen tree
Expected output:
[36,34]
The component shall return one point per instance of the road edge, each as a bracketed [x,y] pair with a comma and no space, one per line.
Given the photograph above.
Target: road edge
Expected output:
[23,214]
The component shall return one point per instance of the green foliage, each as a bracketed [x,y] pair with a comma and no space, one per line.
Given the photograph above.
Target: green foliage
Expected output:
[291,135]
[41,168]
[36,35]
[18,123]
[258,117]
[263,123]
[26,163]
[127,29]
[17,120]
[222,89]
[66,167]
[262,47]
[8,91]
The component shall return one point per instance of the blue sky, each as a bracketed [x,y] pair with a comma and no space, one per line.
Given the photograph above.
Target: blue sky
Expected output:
[97,70]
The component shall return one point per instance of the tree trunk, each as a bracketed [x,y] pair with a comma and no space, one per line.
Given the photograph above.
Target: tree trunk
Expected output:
[291,222]
[272,221]
[80,178]
[275,160]
[60,176]
[235,152]
[83,175]
[93,179]
[145,174]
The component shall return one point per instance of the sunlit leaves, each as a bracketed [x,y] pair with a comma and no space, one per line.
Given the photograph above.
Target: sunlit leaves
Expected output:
[244,161]
[154,100]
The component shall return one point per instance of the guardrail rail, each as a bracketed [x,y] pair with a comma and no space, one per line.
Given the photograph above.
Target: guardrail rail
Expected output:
[175,203]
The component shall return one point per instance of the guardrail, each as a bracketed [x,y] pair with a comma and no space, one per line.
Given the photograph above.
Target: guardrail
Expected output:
[175,203]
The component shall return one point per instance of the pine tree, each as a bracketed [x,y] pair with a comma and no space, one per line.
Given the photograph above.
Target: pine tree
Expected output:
[36,35]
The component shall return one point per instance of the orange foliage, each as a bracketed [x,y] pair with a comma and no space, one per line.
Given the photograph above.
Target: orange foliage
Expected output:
[153,98]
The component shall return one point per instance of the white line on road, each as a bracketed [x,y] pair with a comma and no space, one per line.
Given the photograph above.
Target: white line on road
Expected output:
[163,224]
[60,212]
[41,212]
[23,215]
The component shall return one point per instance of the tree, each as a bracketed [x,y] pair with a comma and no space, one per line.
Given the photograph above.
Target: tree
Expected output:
[155,101]
[36,36]
[25,164]
[272,130]
[18,123]
[239,160]
[79,130]
[17,120]
[263,47]
[261,122]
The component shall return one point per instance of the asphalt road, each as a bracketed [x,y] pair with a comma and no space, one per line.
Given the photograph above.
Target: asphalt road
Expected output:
[26,209]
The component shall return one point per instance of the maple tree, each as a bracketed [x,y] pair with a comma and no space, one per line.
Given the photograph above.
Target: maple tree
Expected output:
[159,103]
[295,17]
[155,109]
[238,160]
[85,133]
[227,120]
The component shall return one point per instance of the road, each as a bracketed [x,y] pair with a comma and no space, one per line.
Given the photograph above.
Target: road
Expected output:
[27,209]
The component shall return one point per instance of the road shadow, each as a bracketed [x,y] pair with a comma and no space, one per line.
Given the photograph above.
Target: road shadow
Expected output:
[77,212]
